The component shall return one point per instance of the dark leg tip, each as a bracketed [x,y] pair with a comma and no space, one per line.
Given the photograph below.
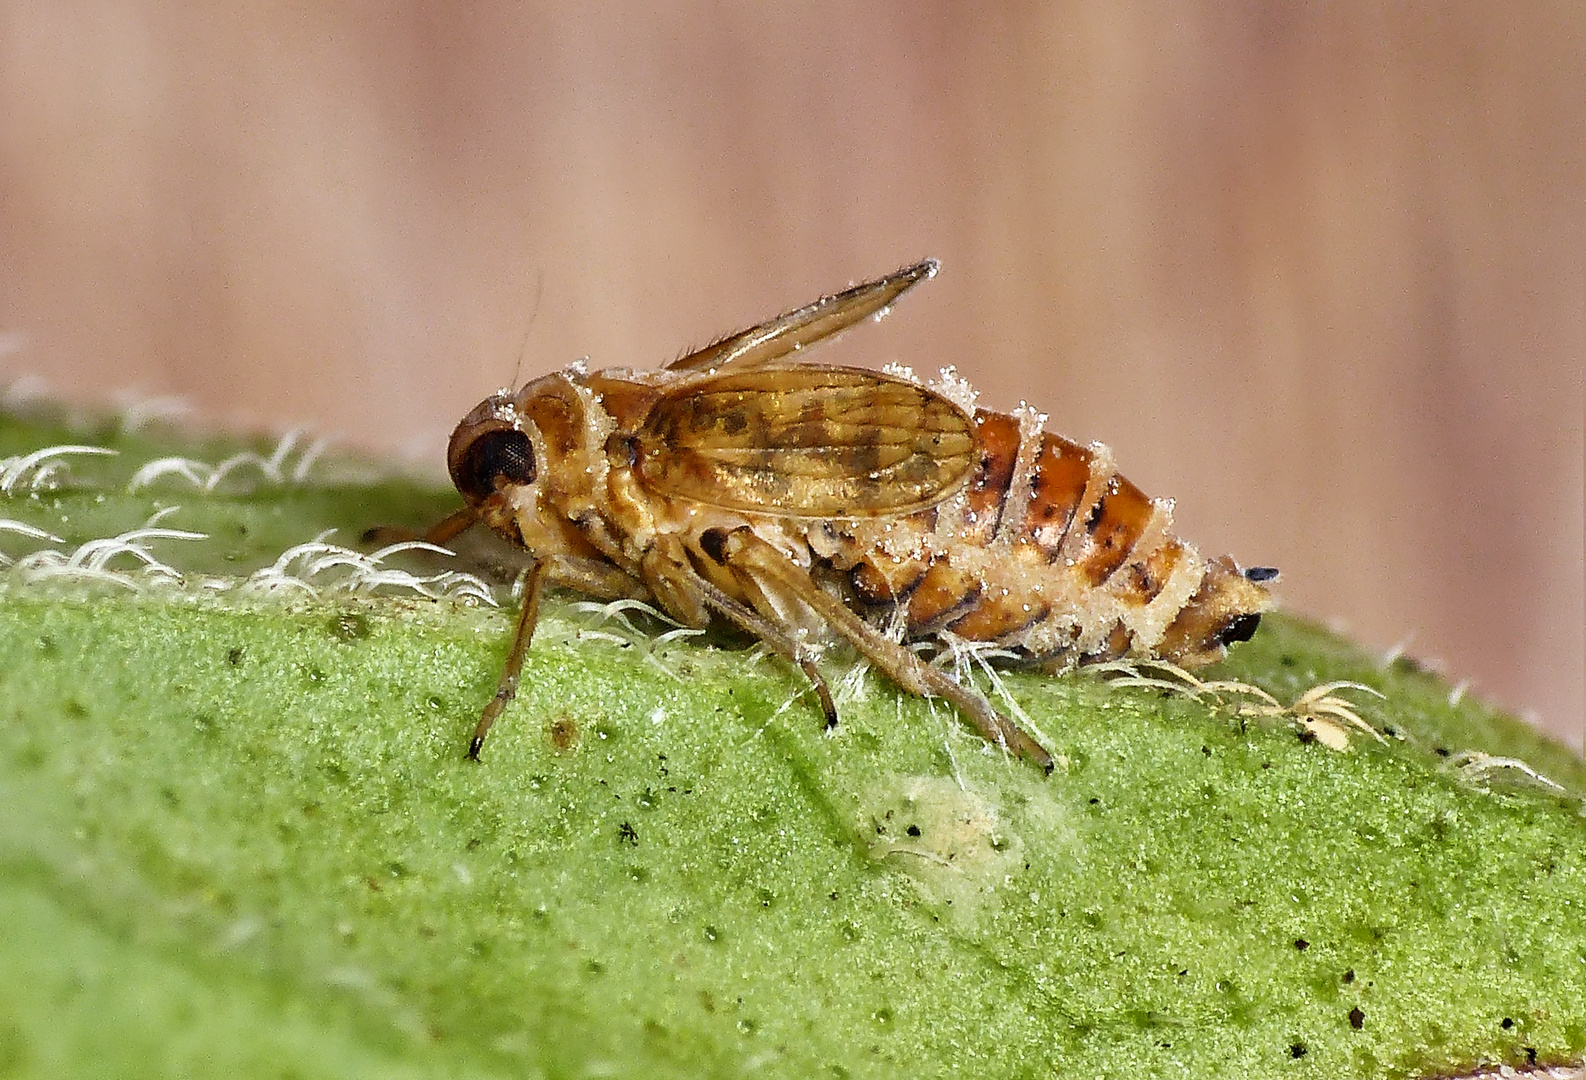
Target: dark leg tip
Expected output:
[382,535]
[828,706]
[474,747]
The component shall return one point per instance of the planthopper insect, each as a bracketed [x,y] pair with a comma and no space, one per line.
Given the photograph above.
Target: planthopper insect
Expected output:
[802,502]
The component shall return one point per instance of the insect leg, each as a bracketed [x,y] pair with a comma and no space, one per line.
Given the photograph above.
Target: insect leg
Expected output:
[743,550]
[444,530]
[507,687]
[593,577]
[450,526]
[747,618]
[673,577]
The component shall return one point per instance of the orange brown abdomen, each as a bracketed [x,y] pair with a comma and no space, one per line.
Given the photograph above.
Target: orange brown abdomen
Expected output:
[1050,552]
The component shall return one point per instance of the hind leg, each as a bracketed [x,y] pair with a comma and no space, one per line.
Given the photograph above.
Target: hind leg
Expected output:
[773,572]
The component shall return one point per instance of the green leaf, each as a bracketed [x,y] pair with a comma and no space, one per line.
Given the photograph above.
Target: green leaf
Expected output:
[238,835]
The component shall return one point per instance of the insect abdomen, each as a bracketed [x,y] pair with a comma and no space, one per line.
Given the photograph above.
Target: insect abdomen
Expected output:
[1050,551]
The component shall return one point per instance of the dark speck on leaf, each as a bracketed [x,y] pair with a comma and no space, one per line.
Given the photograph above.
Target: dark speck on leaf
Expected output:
[1357,1019]
[564,734]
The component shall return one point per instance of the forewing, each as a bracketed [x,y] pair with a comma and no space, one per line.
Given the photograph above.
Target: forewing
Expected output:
[775,338]
[806,441]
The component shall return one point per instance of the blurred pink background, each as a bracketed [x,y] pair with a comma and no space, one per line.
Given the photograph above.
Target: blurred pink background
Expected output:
[1315,270]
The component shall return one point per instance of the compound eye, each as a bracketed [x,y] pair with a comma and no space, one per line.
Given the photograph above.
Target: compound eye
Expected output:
[497,457]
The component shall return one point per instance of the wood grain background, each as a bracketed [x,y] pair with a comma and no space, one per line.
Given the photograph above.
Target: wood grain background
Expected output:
[1314,269]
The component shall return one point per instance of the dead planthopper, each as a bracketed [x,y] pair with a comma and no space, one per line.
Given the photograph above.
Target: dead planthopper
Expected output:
[801,501]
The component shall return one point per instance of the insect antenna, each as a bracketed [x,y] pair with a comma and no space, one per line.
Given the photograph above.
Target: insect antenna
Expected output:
[534,313]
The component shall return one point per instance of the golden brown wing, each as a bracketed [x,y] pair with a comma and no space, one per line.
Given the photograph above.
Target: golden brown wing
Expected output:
[806,441]
[827,316]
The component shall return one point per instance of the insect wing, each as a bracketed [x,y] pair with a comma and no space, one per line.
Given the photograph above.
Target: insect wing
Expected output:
[806,441]
[830,315]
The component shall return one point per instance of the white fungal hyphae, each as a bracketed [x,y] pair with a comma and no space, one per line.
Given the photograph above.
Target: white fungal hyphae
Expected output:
[91,560]
[319,568]
[1319,711]
[43,469]
[276,469]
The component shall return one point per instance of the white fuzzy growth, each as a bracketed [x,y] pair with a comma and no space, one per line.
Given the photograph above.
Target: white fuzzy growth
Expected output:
[1395,651]
[598,426]
[1320,711]
[956,389]
[1148,624]
[22,528]
[1102,470]
[139,411]
[205,477]
[196,473]
[1158,528]
[1032,432]
[901,371]
[1477,767]
[90,561]
[318,567]
[969,656]
[615,612]
[42,468]
[23,391]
